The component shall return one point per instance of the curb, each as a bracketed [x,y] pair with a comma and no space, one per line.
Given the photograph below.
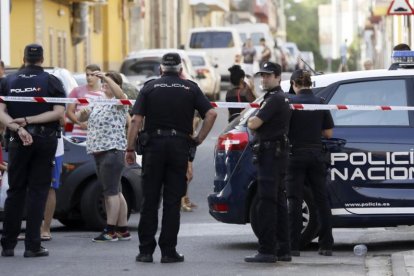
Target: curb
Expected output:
[399,266]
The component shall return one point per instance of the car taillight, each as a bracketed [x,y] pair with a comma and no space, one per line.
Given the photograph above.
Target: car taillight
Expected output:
[233,141]
[202,71]
[220,207]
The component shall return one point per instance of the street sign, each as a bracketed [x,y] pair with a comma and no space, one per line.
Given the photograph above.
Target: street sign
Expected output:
[400,7]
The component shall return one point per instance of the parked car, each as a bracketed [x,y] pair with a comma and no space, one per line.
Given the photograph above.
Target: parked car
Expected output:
[370,179]
[207,75]
[144,65]
[222,44]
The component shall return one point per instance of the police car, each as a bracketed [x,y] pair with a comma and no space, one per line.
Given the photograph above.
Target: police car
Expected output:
[371,175]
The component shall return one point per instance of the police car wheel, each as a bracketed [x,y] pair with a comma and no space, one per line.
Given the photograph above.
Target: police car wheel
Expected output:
[93,206]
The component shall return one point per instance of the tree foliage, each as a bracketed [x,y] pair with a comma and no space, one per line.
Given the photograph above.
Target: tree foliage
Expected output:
[302,26]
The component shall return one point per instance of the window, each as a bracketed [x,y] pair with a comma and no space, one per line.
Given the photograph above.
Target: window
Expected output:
[197,61]
[202,40]
[133,67]
[256,38]
[382,92]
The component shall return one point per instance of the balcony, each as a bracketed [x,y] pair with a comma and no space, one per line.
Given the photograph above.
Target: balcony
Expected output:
[213,5]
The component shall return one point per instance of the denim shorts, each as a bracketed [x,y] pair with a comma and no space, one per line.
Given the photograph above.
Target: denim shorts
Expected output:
[109,168]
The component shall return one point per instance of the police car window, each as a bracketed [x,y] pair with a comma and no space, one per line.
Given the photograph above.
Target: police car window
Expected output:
[202,40]
[197,61]
[243,37]
[383,92]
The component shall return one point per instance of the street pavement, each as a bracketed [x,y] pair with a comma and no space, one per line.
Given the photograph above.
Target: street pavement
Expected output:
[214,248]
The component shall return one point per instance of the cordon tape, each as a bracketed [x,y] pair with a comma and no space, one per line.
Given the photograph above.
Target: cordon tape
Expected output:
[101,101]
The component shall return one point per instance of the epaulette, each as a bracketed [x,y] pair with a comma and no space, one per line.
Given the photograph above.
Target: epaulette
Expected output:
[150,80]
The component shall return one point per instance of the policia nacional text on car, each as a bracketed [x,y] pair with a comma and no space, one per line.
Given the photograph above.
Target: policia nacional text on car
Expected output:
[308,161]
[167,105]
[33,140]
[271,148]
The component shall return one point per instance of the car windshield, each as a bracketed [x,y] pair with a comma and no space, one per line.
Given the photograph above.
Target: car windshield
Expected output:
[197,61]
[202,40]
[140,67]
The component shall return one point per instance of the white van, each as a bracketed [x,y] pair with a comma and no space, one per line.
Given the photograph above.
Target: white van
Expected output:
[222,44]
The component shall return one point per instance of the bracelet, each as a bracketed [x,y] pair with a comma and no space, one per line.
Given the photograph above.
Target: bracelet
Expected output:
[25,120]
[130,150]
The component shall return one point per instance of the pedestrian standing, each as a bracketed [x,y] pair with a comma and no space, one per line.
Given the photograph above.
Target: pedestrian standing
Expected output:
[239,92]
[308,162]
[249,56]
[2,70]
[167,105]
[266,53]
[91,90]
[106,141]
[271,147]
[34,128]
[45,234]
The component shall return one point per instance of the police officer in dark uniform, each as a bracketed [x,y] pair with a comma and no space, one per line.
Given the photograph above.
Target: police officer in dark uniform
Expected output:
[167,105]
[271,124]
[308,162]
[33,140]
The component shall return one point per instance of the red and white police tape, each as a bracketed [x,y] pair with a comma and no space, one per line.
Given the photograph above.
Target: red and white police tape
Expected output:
[101,101]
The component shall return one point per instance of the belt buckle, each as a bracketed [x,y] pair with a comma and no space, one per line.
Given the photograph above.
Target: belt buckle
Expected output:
[173,132]
[158,131]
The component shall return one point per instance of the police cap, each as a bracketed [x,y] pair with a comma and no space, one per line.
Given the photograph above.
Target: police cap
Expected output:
[171,59]
[270,68]
[33,51]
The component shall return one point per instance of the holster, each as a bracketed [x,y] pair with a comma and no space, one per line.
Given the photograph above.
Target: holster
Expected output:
[142,141]
[192,150]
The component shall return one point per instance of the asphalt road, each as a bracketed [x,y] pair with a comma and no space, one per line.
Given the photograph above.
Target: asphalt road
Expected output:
[210,247]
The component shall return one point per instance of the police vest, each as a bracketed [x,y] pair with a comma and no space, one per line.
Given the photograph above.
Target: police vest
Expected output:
[28,83]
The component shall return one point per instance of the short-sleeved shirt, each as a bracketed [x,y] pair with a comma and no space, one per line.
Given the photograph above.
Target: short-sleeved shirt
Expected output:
[275,114]
[306,126]
[32,80]
[169,103]
[83,92]
[106,128]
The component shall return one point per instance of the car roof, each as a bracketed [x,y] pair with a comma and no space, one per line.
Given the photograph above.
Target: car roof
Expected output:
[155,53]
[212,29]
[320,81]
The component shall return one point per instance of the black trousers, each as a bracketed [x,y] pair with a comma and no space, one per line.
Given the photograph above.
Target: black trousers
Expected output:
[30,176]
[273,229]
[165,162]
[309,165]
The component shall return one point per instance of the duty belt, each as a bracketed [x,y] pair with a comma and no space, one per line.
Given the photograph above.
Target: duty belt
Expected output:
[168,132]
[40,130]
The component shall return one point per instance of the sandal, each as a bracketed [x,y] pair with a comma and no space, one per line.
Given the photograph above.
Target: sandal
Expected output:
[45,237]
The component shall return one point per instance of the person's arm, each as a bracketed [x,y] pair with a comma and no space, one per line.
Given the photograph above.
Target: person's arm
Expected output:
[254,123]
[83,114]
[45,117]
[136,125]
[327,133]
[208,122]
[5,118]
[70,112]
[115,88]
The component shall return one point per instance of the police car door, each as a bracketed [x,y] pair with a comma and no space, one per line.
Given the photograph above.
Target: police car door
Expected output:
[372,153]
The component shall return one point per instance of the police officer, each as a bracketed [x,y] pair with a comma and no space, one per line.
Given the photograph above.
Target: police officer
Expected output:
[308,161]
[271,124]
[32,148]
[167,104]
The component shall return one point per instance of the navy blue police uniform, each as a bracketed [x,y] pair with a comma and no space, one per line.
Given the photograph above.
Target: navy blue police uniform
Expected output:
[167,105]
[308,161]
[30,167]
[271,147]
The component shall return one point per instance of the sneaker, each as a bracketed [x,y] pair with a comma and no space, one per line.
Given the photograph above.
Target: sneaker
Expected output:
[106,237]
[123,236]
